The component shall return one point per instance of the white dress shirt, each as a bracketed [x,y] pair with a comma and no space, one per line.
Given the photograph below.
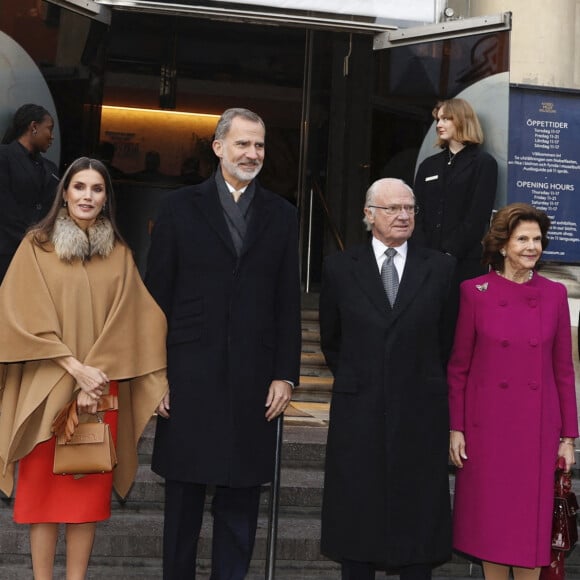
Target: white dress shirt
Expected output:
[231,189]
[399,259]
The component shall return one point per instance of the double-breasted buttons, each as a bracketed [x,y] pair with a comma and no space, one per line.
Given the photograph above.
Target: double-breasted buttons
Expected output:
[533,385]
[532,302]
[505,342]
[503,384]
[503,302]
[534,341]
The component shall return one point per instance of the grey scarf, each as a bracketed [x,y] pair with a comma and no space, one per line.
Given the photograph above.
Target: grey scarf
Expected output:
[237,214]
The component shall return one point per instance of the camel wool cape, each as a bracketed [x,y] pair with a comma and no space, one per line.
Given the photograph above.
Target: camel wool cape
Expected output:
[95,309]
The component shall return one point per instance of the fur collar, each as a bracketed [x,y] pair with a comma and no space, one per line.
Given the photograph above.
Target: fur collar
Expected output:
[71,242]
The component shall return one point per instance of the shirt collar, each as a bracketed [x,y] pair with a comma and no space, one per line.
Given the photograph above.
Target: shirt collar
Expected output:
[219,176]
[379,248]
[232,189]
[33,155]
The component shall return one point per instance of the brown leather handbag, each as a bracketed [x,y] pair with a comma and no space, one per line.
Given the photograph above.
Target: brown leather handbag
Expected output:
[564,527]
[83,447]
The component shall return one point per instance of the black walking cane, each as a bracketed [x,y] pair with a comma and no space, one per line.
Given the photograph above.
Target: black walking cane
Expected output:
[274,504]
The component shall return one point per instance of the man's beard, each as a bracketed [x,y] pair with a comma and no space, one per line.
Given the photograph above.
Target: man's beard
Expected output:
[239,173]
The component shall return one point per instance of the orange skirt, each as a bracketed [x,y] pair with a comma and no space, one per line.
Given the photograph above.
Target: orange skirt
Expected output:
[43,497]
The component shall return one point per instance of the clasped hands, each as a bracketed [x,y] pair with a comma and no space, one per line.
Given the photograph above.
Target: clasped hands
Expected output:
[91,380]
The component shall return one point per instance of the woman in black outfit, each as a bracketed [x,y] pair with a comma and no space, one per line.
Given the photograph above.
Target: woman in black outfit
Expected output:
[27,179]
[455,188]
[455,191]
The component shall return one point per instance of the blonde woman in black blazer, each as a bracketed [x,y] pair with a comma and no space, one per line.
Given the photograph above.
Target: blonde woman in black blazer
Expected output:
[455,189]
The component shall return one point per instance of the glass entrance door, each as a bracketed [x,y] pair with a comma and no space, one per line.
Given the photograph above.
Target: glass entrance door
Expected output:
[168,79]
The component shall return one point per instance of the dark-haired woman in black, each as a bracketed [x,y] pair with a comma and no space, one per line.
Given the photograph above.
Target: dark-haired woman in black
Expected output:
[27,179]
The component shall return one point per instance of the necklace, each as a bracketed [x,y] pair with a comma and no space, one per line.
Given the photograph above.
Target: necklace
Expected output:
[450,155]
[530,276]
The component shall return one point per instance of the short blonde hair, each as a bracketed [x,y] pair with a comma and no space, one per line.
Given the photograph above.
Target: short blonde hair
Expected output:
[467,126]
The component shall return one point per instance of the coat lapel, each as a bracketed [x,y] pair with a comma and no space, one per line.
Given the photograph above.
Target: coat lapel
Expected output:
[261,209]
[21,158]
[48,173]
[416,270]
[206,198]
[366,275]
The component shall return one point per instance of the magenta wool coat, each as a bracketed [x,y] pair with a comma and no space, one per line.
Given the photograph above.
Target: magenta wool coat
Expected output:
[512,393]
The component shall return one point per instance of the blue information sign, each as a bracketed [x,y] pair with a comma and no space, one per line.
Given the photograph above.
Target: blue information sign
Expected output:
[543,163]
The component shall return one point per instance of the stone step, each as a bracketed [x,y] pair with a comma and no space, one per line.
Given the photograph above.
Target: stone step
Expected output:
[302,445]
[310,326]
[148,568]
[137,535]
[132,569]
[312,359]
[309,314]
[310,337]
[299,488]
[285,570]
[314,372]
[129,545]
[305,542]
[303,453]
[315,376]
[310,300]
[314,388]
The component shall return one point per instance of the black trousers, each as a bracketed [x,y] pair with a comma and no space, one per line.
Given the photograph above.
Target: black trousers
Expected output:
[352,570]
[235,518]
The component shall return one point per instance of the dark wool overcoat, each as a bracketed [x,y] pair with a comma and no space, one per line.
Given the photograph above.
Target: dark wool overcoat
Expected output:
[25,196]
[233,327]
[386,491]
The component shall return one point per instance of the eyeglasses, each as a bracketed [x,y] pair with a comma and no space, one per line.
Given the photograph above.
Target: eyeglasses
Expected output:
[397,209]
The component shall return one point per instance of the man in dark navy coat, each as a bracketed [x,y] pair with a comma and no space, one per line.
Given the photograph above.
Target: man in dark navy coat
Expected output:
[386,490]
[223,265]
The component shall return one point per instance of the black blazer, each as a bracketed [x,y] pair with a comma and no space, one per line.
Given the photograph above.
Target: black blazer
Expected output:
[25,197]
[234,326]
[455,201]
[389,413]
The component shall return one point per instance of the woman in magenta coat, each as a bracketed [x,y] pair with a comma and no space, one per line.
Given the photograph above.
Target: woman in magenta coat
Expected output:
[512,400]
